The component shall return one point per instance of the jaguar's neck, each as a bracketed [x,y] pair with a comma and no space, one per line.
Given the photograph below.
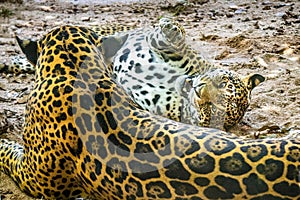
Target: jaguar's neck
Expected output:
[11,158]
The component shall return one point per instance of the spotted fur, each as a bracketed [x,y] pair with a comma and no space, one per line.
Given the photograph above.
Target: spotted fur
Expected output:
[167,77]
[84,137]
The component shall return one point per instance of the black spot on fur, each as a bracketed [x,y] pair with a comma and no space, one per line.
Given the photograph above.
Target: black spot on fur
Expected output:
[55,91]
[87,121]
[286,189]
[175,170]
[144,92]
[79,41]
[219,146]
[57,103]
[67,89]
[111,120]
[202,181]
[201,164]
[73,48]
[125,138]
[272,169]
[158,187]
[124,57]
[86,102]
[255,152]
[99,99]
[255,185]
[268,197]
[235,165]
[230,185]
[101,120]
[80,125]
[293,173]
[183,188]
[61,117]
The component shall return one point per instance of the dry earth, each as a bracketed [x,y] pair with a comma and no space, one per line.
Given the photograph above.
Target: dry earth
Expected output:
[244,36]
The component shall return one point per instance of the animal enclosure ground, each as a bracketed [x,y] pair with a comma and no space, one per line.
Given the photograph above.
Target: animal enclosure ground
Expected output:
[243,36]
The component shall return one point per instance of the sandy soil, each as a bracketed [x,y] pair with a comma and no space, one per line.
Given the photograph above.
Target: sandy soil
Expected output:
[261,37]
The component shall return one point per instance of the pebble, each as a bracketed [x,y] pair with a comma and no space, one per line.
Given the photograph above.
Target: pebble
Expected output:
[234,7]
[261,61]
[49,17]
[280,14]
[85,19]
[46,8]
[266,3]
[240,11]
[230,14]
[58,23]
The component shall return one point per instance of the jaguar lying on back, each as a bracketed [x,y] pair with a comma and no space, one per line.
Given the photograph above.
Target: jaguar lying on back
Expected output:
[84,137]
[165,76]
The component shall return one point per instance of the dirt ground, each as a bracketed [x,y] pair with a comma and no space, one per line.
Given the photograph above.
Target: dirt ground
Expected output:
[244,36]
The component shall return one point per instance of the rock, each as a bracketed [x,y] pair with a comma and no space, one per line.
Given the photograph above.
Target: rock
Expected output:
[240,11]
[49,17]
[46,8]
[85,19]
[234,7]
[280,14]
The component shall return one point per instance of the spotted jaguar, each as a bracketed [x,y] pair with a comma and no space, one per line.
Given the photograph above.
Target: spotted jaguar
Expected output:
[85,137]
[165,76]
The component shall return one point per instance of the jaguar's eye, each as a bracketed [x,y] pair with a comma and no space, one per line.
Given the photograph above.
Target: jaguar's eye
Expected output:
[222,85]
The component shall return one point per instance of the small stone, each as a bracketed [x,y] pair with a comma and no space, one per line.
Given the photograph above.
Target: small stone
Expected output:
[106,9]
[280,14]
[230,14]
[261,61]
[49,17]
[234,7]
[46,8]
[58,23]
[229,26]
[266,3]
[85,19]
[240,11]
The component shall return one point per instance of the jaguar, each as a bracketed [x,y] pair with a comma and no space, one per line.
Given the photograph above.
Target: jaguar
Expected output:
[85,137]
[165,76]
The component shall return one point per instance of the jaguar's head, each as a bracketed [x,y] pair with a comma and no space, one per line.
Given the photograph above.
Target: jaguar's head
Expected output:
[222,97]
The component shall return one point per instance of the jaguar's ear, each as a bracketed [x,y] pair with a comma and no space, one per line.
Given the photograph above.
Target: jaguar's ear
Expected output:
[253,80]
[30,49]
[111,45]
